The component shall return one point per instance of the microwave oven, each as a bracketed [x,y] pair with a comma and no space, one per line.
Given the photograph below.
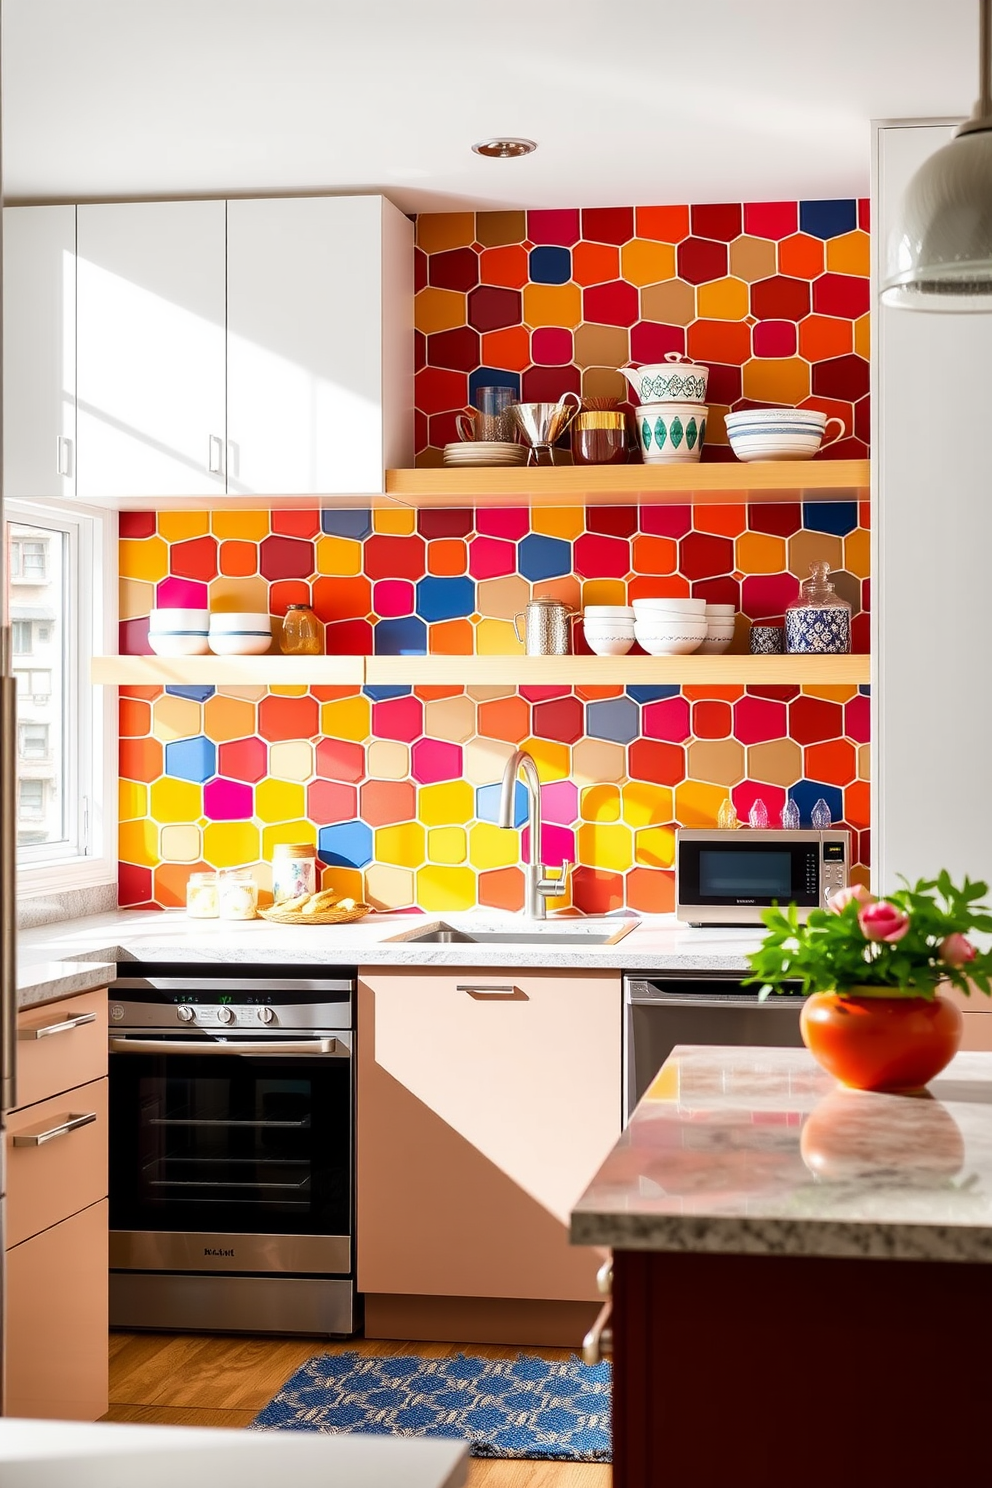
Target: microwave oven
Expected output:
[728,878]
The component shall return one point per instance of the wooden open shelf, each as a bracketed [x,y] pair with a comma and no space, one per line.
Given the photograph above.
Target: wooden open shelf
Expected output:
[625,485]
[480,671]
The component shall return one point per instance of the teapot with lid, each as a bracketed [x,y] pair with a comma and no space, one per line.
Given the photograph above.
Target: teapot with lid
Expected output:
[675,380]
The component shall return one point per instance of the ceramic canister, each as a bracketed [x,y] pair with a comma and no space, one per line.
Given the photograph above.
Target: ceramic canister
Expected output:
[827,631]
[765,640]
[671,433]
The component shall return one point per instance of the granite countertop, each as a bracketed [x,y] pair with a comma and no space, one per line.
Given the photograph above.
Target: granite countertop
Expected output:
[655,943]
[760,1152]
[43,981]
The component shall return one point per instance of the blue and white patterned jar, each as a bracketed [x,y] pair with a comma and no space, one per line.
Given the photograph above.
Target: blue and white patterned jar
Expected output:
[821,624]
[765,640]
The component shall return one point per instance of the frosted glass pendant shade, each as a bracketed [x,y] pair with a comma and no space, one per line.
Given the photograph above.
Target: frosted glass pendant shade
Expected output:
[940,255]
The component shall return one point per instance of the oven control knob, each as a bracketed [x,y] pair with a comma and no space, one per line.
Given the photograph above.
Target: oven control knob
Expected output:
[185,1014]
[265,1015]
[225,1015]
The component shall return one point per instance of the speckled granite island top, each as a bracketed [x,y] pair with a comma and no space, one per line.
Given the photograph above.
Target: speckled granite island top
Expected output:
[760,1152]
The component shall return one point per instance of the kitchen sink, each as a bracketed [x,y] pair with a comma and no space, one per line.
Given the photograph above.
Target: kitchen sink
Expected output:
[538,934]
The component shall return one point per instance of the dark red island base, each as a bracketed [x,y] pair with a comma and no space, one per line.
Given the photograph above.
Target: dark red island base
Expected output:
[802,1278]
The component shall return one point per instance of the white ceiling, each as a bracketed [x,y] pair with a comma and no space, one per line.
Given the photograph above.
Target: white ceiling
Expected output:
[650,102]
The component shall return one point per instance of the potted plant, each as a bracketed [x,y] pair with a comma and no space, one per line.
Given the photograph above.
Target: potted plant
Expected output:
[872,970]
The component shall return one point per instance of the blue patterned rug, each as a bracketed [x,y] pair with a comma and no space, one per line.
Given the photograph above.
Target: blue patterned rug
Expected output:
[525,1407]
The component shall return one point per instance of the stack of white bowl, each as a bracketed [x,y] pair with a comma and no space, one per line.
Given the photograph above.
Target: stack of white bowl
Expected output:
[670,627]
[609,629]
[178,632]
[240,633]
[719,629]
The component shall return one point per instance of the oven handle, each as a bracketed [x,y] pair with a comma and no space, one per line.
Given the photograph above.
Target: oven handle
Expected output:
[195,1046]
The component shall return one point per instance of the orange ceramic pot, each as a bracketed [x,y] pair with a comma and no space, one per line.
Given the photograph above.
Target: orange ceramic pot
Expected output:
[881,1043]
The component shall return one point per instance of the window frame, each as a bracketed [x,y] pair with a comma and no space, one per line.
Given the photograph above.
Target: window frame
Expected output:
[90,857]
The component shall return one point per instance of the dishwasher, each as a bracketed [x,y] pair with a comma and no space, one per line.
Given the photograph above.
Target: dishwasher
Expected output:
[664,1009]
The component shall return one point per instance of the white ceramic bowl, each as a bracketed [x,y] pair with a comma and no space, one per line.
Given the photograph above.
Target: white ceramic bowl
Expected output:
[721,609]
[178,632]
[241,620]
[675,639]
[605,641]
[608,612]
[779,433]
[672,606]
[713,646]
[230,643]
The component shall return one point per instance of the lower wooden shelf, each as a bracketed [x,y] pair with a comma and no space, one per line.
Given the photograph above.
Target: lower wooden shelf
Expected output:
[481,671]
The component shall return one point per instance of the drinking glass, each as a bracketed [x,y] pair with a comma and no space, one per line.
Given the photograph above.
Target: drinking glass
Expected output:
[491,418]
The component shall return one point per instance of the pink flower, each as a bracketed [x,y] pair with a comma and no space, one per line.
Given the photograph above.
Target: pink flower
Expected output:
[956,950]
[856,894]
[883,921]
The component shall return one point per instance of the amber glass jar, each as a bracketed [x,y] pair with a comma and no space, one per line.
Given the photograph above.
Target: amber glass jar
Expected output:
[599,437]
[301,632]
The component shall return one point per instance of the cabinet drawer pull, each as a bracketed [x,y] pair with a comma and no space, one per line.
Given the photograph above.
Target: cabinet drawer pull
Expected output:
[215,455]
[63,455]
[39,1138]
[598,1342]
[47,1029]
[483,991]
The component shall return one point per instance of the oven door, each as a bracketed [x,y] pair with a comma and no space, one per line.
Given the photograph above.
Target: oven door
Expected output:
[728,878]
[231,1155]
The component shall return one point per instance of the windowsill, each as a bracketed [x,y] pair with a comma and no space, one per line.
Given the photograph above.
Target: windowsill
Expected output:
[58,877]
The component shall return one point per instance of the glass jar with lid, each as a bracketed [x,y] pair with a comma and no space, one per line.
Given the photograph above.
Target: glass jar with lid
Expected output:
[301,632]
[821,622]
[294,870]
[202,901]
[237,894]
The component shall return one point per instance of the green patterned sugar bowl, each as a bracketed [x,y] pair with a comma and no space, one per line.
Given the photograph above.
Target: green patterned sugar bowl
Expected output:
[671,433]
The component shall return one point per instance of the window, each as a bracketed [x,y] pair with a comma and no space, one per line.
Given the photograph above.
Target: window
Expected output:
[29,558]
[60,567]
[30,800]
[33,741]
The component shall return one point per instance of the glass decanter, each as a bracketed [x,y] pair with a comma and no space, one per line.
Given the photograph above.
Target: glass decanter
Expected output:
[821,622]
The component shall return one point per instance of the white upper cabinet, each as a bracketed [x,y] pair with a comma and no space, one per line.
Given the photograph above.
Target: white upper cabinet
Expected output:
[39,351]
[151,349]
[320,344]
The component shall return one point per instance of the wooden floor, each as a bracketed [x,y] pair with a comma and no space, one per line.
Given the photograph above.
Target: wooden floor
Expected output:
[168,1379]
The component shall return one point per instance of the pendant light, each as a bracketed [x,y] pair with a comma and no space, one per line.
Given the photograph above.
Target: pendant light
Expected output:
[940,251]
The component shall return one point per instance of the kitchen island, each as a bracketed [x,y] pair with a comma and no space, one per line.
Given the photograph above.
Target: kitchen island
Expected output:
[802,1276]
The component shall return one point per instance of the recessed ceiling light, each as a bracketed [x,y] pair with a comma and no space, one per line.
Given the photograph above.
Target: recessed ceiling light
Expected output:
[504,149]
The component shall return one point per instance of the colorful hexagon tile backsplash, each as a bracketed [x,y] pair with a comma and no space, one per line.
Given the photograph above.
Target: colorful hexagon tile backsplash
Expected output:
[773,296]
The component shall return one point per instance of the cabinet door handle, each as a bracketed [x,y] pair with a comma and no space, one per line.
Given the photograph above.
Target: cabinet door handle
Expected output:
[47,1029]
[39,1138]
[598,1342]
[63,455]
[604,1279]
[215,455]
[484,991]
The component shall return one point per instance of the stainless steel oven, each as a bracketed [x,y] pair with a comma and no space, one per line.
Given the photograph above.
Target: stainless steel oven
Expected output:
[232,1149]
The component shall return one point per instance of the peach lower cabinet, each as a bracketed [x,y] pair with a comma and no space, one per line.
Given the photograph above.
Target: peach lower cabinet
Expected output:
[56,1218]
[486,1101]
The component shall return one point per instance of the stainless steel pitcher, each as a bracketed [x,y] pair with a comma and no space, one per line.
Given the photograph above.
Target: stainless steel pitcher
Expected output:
[547,627]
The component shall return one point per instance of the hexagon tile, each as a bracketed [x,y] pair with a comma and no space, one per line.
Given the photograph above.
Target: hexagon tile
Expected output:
[402,803]
[772,295]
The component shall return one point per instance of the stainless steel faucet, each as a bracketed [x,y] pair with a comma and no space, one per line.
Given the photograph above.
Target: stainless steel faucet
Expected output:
[537,888]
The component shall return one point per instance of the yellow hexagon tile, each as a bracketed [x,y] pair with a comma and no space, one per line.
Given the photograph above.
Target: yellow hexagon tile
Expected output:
[287,831]
[567,522]
[181,844]
[654,847]
[175,718]
[722,299]
[138,842]
[645,804]
[347,718]
[452,719]
[606,846]
[849,254]
[230,844]
[279,800]
[776,380]
[857,552]
[291,761]
[862,336]
[553,760]
[402,844]
[645,262]
[490,847]
[247,526]
[483,760]
[439,310]
[595,761]
[227,718]
[239,594]
[347,883]
[552,305]
[604,592]
[447,845]
[697,803]
[445,889]
[289,691]
[758,553]
[832,694]
[143,558]
[389,888]
[176,800]
[387,759]
[448,803]
[132,800]
[600,803]
[340,557]
[179,526]
[396,521]
[134,598]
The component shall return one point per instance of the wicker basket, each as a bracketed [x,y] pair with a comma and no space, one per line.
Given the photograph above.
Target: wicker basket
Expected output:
[332,916]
